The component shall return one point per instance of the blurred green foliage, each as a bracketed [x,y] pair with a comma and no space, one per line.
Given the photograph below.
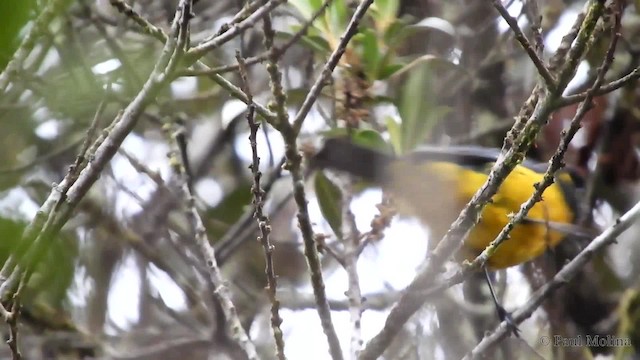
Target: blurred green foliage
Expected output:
[53,267]
[418,106]
[14,15]
[225,213]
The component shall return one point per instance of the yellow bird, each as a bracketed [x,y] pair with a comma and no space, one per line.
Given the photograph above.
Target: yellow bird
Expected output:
[434,184]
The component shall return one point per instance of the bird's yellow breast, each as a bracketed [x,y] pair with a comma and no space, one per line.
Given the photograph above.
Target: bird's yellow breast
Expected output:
[436,192]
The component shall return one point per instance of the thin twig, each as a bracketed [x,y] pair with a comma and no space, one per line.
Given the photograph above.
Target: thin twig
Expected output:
[201,49]
[204,69]
[264,224]
[238,94]
[595,177]
[351,237]
[290,133]
[294,161]
[558,59]
[604,89]
[147,26]
[296,301]
[238,232]
[275,75]
[11,318]
[550,82]
[279,50]
[238,333]
[215,276]
[155,176]
[245,12]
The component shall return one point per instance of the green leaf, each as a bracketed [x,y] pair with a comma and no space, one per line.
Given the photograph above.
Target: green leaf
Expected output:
[225,213]
[330,201]
[417,103]
[370,139]
[369,53]
[389,70]
[414,104]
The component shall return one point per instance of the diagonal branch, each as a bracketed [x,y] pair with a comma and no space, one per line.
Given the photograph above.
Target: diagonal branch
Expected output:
[526,45]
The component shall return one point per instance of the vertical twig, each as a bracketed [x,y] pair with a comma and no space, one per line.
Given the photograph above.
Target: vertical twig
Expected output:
[351,241]
[263,221]
[11,318]
[215,276]
[290,133]
[595,177]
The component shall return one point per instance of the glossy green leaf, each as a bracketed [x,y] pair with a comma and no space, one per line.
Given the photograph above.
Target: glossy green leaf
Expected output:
[330,202]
